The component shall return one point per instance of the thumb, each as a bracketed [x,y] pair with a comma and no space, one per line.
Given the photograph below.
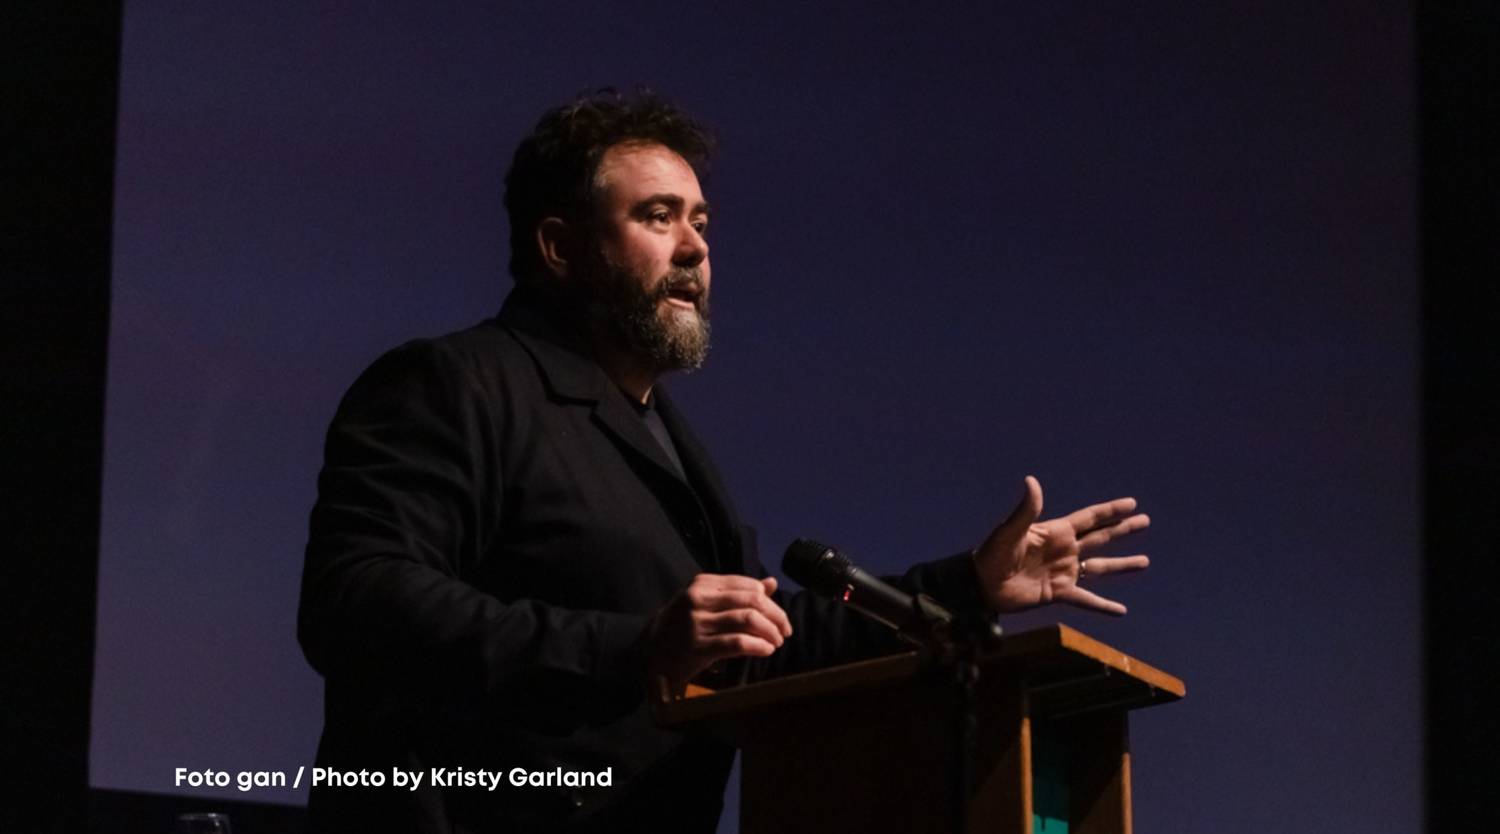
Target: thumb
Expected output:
[1028,510]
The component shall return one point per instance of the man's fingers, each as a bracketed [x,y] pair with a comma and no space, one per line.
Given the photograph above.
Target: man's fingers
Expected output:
[726,646]
[1098,515]
[783,622]
[743,621]
[714,649]
[717,617]
[1084,598]
[755,599]
[725,600]
[1109,532]
[1106,565]
[710,582]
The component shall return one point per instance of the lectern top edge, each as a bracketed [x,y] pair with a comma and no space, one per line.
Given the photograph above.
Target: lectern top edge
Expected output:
[1054,655]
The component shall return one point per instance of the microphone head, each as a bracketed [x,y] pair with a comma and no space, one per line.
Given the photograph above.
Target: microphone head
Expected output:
[816,567]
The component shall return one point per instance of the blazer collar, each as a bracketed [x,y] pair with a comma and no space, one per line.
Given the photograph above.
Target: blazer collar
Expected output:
[567,368]
[570,373]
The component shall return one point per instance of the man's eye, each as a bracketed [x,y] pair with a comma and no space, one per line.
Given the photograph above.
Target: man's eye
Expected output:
[701,227]
[660,217]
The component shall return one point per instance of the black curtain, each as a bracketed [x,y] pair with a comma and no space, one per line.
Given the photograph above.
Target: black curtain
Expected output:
[59,92]
[1458,49]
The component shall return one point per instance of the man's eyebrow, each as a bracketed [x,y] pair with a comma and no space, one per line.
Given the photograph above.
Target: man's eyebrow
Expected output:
[672,201]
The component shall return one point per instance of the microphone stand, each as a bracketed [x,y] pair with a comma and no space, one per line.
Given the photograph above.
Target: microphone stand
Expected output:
[957,644]
[969,635]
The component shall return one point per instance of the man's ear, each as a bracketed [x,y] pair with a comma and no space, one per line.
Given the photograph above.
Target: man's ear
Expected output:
[556,242]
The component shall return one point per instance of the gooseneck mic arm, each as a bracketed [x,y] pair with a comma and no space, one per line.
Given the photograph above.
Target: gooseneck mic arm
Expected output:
[826,572]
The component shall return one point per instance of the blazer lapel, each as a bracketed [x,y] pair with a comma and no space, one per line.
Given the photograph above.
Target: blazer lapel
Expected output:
[619,419]
[704,478]
[572,375]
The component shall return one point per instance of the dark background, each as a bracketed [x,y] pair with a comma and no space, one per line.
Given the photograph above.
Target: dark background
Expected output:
[1172,254]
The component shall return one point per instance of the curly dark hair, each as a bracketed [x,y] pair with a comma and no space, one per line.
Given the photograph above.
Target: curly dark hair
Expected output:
[553,171]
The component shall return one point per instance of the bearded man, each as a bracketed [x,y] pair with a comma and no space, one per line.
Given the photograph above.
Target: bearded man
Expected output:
[516,530]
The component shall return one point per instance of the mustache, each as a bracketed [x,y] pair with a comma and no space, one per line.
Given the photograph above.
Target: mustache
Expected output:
[681,278]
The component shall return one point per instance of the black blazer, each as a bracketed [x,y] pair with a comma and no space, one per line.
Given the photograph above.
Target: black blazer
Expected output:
[494,527]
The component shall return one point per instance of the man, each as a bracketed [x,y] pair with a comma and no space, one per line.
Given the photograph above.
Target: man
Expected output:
[516,530]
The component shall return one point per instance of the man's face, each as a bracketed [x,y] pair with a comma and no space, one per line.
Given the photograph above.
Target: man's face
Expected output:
[650,279]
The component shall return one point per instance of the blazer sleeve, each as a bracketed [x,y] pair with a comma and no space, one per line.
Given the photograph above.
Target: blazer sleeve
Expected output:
[409,502]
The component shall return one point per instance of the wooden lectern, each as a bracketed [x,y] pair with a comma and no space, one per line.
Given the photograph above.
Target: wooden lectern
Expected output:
[870,747]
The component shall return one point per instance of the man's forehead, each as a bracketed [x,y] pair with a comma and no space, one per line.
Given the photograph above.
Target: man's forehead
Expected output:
[634,169]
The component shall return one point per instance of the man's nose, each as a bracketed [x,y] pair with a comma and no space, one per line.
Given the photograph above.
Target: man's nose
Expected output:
[692,247]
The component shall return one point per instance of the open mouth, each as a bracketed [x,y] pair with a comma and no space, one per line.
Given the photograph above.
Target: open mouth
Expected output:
[685,296]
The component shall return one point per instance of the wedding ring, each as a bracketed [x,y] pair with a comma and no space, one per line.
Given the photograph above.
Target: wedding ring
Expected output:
[1083,568]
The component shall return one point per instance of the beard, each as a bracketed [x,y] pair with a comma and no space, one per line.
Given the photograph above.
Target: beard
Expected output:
[667,337]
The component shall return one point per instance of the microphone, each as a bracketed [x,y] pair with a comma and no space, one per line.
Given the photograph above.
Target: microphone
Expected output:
[828,573]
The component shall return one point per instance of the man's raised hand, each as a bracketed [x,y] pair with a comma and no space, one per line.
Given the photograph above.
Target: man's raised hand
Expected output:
[1025,563]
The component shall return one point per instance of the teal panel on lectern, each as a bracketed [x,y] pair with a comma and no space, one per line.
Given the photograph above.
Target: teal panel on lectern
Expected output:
[1049,783]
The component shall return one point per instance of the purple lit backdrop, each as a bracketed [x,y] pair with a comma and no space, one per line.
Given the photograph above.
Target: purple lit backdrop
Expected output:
[1169,254]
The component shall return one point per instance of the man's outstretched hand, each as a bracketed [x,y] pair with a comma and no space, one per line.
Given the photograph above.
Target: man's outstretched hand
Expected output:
[716,617]
[1025,563]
